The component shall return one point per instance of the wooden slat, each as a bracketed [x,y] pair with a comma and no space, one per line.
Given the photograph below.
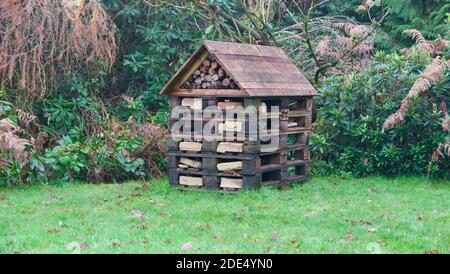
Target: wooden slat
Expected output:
[209,92]
[270,77]
[252,58]
[250,66]
[265,85]
[243,49]
[259,92]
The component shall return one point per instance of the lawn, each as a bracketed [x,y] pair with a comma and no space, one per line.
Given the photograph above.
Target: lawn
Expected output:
[324,215]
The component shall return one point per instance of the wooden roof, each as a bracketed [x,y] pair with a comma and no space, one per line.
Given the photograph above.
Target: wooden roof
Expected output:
[258,70]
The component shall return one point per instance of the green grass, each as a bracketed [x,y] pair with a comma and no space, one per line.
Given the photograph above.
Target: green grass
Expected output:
[324,215]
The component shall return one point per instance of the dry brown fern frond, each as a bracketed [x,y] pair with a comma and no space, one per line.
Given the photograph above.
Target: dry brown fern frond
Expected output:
[446,124]
[352,30]
[3,163]
[39,36]
[432,73]
[153,145]
[25,119]
[434,49]
[343,41]
[361,9]
[323,47]
[11,144]
[441,151]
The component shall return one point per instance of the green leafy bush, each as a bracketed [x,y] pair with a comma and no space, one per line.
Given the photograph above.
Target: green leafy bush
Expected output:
[351,111]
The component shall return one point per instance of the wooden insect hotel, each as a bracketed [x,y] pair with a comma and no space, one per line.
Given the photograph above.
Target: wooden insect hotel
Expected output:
[240,119]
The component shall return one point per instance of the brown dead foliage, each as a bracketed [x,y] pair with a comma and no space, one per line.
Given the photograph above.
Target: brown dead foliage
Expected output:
[39,39]
[433,48]
[432,73]
[11,145]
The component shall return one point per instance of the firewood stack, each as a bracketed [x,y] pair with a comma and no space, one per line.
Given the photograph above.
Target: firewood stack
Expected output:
[210,75]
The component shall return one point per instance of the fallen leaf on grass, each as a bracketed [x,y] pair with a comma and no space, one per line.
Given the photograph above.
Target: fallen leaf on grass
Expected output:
[138,214]
[115,244]
[3,198]
[420,217]
[275,236]
[311,214]
[54,231]
[214,235]
[372,230]
[431,252]
[364,222]
[186,246]
[373,190]
[84,246]
[168,242]
[63,225]
[349,236]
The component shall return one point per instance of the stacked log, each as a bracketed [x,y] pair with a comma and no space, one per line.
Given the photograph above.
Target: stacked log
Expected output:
[209,75]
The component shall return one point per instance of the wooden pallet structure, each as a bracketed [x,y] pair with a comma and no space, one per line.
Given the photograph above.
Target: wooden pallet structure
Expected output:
[230,78]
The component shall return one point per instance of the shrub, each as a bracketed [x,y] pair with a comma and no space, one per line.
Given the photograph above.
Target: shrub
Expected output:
[351,110]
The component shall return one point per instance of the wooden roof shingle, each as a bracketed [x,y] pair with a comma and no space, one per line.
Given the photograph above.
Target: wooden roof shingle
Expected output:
[257,70]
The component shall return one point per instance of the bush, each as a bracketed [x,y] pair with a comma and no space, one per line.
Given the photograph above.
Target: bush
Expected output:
[351,110]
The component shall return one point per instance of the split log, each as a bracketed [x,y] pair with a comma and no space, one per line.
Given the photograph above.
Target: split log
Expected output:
[193,103]
[191,146]
[207,63]
[230,166]
[230,126]
[226,82]
[191,181]
[231,183]
[224,147]
[190,162]
[182,166]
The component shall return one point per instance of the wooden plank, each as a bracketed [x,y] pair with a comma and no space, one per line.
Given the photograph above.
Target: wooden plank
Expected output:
[224,147]
[209,92]
[229,166]
[261,92]
[243,49]
[270,77]
[190,162]
[190,146]
[266,85]
[251,66]
[231,183]
[253,58]
[190,181]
